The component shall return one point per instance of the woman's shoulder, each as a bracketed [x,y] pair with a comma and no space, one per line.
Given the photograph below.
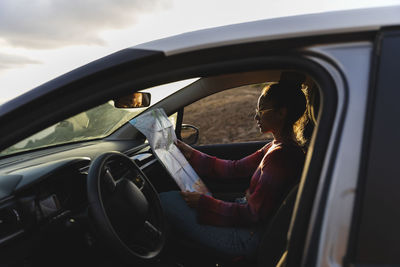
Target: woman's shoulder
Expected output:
[265,148]
[280,156]
[285,150]
[282,149]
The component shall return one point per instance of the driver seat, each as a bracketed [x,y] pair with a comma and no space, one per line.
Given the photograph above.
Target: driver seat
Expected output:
[271,247]
[274,240]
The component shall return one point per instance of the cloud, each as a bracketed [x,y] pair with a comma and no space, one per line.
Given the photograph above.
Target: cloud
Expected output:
[44,24]
[12,61]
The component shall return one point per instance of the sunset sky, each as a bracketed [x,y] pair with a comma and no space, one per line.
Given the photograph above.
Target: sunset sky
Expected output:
[43,39]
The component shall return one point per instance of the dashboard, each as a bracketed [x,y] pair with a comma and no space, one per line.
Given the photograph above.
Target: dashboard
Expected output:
[43,201]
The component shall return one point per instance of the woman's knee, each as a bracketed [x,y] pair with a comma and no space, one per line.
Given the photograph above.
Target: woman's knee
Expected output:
[169,199]
[171,203]
[176,209]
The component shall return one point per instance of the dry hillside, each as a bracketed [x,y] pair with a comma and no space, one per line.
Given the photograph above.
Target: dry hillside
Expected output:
[226,117]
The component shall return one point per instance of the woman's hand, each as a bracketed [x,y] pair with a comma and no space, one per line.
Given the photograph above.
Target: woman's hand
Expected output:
[184,148]
[191,198]
[247,196]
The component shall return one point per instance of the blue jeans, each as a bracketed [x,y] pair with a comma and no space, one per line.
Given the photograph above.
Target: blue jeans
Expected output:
[230,241]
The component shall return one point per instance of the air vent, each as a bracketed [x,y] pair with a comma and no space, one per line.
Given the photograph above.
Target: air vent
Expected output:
[143,159]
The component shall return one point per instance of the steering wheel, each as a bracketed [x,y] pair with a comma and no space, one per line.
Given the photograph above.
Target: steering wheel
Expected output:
[125,207]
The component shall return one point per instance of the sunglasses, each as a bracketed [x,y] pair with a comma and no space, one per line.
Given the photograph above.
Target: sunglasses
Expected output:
[260,112]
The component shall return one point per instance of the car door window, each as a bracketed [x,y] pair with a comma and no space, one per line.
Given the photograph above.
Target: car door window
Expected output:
[227,116]
[173,119]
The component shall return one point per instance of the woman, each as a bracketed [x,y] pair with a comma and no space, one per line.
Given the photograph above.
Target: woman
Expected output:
[233,229]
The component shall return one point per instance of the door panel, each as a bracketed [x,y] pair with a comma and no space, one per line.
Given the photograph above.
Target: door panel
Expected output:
[376,232]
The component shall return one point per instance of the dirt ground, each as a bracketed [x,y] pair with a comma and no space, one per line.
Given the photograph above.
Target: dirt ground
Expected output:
[226,117]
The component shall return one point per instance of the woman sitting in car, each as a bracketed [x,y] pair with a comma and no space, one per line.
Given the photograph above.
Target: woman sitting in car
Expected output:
[233,228]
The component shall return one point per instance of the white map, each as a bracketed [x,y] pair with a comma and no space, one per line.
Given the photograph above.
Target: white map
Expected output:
[160,133]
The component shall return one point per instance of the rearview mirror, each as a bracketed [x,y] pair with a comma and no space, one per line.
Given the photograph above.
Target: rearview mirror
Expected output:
[135,100]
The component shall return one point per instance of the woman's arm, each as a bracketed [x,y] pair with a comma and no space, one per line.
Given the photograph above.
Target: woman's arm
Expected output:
[277,173]
[210,166]
[185,149]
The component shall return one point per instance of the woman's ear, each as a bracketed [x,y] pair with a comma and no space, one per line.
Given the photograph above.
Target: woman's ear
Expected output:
[282,112]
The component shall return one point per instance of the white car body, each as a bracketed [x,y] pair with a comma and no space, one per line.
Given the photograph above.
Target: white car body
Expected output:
[328,40]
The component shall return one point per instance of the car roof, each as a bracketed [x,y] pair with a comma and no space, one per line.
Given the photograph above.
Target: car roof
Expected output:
[357,20]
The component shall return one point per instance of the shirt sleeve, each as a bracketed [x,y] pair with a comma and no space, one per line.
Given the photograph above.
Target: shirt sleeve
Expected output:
[212,167]
[265,196]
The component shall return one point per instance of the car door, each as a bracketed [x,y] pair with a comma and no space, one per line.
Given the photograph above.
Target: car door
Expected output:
[356,213]
[375,234]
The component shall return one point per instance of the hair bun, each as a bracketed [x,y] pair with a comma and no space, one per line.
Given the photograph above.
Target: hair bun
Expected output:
[292,79]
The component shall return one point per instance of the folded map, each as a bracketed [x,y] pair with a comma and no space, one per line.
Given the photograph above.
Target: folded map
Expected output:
[160,134]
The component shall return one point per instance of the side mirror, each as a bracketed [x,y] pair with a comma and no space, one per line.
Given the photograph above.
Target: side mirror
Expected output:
[189,134]
[135,100]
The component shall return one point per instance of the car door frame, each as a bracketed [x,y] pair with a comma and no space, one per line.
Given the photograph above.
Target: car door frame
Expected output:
[374,229]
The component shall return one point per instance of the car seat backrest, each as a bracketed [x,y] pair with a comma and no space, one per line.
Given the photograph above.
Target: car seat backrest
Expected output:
[274,240]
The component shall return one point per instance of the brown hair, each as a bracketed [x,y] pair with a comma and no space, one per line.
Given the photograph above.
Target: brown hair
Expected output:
[288,94]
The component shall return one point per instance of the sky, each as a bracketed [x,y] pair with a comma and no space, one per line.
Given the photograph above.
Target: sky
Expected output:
[42,39]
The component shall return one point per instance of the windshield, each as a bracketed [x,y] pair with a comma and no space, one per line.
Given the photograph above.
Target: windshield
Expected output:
[94,123]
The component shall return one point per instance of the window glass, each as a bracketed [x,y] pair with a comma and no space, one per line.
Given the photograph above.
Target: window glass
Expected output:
[227,116]
[173,118]
[94,123]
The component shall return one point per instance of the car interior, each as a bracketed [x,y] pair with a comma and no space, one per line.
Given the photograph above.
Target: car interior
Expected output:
[62,204]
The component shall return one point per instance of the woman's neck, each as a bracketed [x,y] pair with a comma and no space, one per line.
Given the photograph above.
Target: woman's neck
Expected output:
[283,138]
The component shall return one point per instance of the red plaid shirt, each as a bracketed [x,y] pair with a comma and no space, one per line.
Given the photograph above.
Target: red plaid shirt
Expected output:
[276,168]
